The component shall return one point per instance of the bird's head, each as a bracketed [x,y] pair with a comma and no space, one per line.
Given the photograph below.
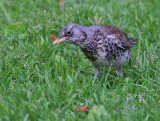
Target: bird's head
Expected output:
[72,33]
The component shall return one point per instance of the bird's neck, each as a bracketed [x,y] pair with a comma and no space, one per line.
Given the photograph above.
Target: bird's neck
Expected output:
[86,40]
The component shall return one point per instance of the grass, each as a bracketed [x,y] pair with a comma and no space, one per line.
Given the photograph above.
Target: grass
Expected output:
[42,82]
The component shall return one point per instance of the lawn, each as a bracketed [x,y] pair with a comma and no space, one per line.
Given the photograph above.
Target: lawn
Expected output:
[39,81]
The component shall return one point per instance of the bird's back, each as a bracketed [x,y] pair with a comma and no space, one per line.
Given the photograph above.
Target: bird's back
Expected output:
[117,33]
[109,46]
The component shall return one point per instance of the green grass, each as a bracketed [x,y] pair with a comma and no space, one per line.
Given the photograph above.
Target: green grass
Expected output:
[42,82]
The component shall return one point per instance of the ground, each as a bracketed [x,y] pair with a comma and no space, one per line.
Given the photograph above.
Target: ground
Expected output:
[42,82]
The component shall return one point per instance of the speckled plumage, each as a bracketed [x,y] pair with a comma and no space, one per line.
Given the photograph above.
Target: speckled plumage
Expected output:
[103,45]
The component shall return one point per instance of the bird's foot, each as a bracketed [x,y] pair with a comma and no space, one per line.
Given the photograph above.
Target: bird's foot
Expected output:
[98,75]
[120,73]
[98,72]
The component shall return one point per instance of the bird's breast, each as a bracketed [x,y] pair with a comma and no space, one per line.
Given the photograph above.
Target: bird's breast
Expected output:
[107,59]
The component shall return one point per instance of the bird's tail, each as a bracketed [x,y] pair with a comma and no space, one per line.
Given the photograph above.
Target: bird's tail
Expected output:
[133,39]
[131,42]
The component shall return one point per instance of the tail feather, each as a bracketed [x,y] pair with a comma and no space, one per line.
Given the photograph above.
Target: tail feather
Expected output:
[133,39]
[130,43]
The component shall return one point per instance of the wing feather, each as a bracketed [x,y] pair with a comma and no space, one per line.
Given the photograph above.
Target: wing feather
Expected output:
[123,40]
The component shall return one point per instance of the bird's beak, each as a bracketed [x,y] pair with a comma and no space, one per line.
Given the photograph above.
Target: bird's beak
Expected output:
[59,40]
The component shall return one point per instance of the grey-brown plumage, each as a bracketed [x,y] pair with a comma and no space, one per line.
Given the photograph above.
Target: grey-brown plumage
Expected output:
[103,45]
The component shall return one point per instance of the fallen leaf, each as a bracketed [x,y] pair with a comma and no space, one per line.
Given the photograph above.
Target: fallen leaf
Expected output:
[84,108]
[53,37]
[100,19]
[141,99]
[152,59]
[114,72]
[77,110]
[61,3]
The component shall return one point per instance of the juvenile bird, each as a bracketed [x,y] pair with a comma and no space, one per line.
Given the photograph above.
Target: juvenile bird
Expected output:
[103,45]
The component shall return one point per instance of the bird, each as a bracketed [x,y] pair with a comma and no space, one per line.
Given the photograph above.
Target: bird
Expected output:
[103,45]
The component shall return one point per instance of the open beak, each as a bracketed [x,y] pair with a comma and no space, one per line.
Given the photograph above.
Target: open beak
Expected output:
[59,40]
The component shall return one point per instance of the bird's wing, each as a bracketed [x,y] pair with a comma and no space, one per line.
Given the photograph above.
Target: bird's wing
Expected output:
[122,40]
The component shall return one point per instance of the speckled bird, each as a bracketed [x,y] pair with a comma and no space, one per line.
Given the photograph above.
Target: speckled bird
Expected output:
[103,45]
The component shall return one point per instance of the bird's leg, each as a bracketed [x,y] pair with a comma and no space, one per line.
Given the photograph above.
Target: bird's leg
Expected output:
[98,71]
[120,73]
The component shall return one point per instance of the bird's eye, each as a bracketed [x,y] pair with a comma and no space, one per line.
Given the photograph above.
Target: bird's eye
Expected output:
[69,32]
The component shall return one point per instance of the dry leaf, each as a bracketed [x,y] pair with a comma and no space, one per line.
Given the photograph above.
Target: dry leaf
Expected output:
[114,72]
[141,99]
[53,37]
[152,59]
[77,110]
[84,108]
[61,3]
[100,19]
